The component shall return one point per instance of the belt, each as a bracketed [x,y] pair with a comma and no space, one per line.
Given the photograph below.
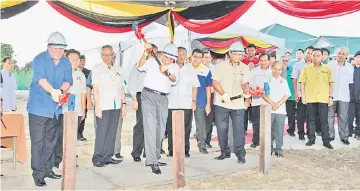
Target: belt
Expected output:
[155,92]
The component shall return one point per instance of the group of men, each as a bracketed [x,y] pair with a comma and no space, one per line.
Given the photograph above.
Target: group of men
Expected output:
[161,82]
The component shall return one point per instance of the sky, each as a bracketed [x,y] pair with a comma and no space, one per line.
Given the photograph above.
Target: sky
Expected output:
[28,32]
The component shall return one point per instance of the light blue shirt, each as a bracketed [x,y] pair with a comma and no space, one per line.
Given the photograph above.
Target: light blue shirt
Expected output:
[40,102]
[296,73]
[7,90]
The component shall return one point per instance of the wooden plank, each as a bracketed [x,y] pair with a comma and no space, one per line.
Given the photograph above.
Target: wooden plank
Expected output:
[69,151]
[265,138]
[178,149]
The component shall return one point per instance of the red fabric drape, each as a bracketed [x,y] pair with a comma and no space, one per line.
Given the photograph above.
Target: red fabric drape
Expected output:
[258,49]
[214,25]
[316,9]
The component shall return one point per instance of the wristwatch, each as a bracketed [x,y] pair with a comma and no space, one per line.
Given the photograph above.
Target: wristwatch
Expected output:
[62,91]
[168,74]
[331,97]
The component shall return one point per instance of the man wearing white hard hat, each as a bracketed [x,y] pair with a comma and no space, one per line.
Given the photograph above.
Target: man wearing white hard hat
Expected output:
[52,76]
[230,81]
[161,73]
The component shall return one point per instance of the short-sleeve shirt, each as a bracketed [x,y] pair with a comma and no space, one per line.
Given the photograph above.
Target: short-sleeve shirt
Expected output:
[289,70]
[155,79]
[40,102]
[230,78]
[136,80]
[316,80]
[78,89]
[278,89]
[7,90]
[109,81]
[343,76]
[296,73]
[180,96]
[204,76]
[258,77]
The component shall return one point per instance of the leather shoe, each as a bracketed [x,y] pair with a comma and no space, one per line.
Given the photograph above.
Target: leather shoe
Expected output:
[155,169]
[331,139]
[241,160]
[346,142]
[52,175]
[170,154]
[254,145]
[328,145]
[302,138]
[137,159]
[222,156]
[203,151]
[114,161]
[187,155]
[162,164]
[208,145]
[292,134]
[99,164]
[40,182]
[310,143]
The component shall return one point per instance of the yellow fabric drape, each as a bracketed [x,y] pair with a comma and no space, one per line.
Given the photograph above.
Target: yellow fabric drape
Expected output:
[10,3]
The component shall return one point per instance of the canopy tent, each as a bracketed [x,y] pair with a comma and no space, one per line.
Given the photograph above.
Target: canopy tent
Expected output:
[10,8]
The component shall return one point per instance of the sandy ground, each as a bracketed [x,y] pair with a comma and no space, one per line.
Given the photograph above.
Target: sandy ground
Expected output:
[298,169]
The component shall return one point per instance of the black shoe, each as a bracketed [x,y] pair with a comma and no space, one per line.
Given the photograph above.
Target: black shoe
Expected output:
[203,151]
[241,160]
[162,163]
[83,139]
[302,137]
[331,139]
[170,154]
[279,153]
[318,134]
[292,134]
[254,145]
[328,145]
[40,182]
[119,156]
[187,155]
[310,143]
[346,142]
[155,169]
[114,161]
[208,145]
[99,164]
[52,175]
[137,159]
[162,151]
[222,156]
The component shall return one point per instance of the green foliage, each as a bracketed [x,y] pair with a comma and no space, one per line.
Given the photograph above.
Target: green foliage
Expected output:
[23,80]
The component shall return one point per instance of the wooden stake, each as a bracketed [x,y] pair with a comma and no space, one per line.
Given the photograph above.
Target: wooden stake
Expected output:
[178,149]
[69,151]
[265,138]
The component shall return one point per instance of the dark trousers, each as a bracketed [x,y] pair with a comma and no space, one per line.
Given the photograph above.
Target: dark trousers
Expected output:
[246,119]
[209,121]
[301,113]
[81,126]
[105,136]
[255,112]
[187,124]
[138,133]
[354,113]
[290,111]
[58,154]
[222,125]
[44,134]
[313,109]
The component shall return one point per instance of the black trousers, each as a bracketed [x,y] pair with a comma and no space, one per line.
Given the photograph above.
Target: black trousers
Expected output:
[354,113]
[290,111]
[210,119]
[255,112]
[81,126]
[313,109]
[138,133]
[301,114]
[44,134]
[187,123]
[105,136]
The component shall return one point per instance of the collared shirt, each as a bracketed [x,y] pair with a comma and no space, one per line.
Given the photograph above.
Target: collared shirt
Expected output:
[204,76]
[78,88]
[136,80]
[355,87]
[230,78]
[109,81]
[258,77]
[40,102]
[296,73]
[278,89]
[7,90]
[289,70]
[343,76]
[317,81]
[180,96]
[155,79]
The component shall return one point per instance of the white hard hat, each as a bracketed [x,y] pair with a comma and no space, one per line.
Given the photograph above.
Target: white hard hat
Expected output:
[57,40]
[236,47]
[171,51]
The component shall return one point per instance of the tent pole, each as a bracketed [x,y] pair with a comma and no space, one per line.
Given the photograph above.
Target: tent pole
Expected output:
[120,55]
[189,40]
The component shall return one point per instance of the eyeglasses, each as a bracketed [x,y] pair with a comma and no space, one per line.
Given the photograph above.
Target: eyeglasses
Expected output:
[108,55]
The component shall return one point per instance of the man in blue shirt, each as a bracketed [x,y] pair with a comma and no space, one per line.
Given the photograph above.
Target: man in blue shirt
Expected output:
[52,76]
